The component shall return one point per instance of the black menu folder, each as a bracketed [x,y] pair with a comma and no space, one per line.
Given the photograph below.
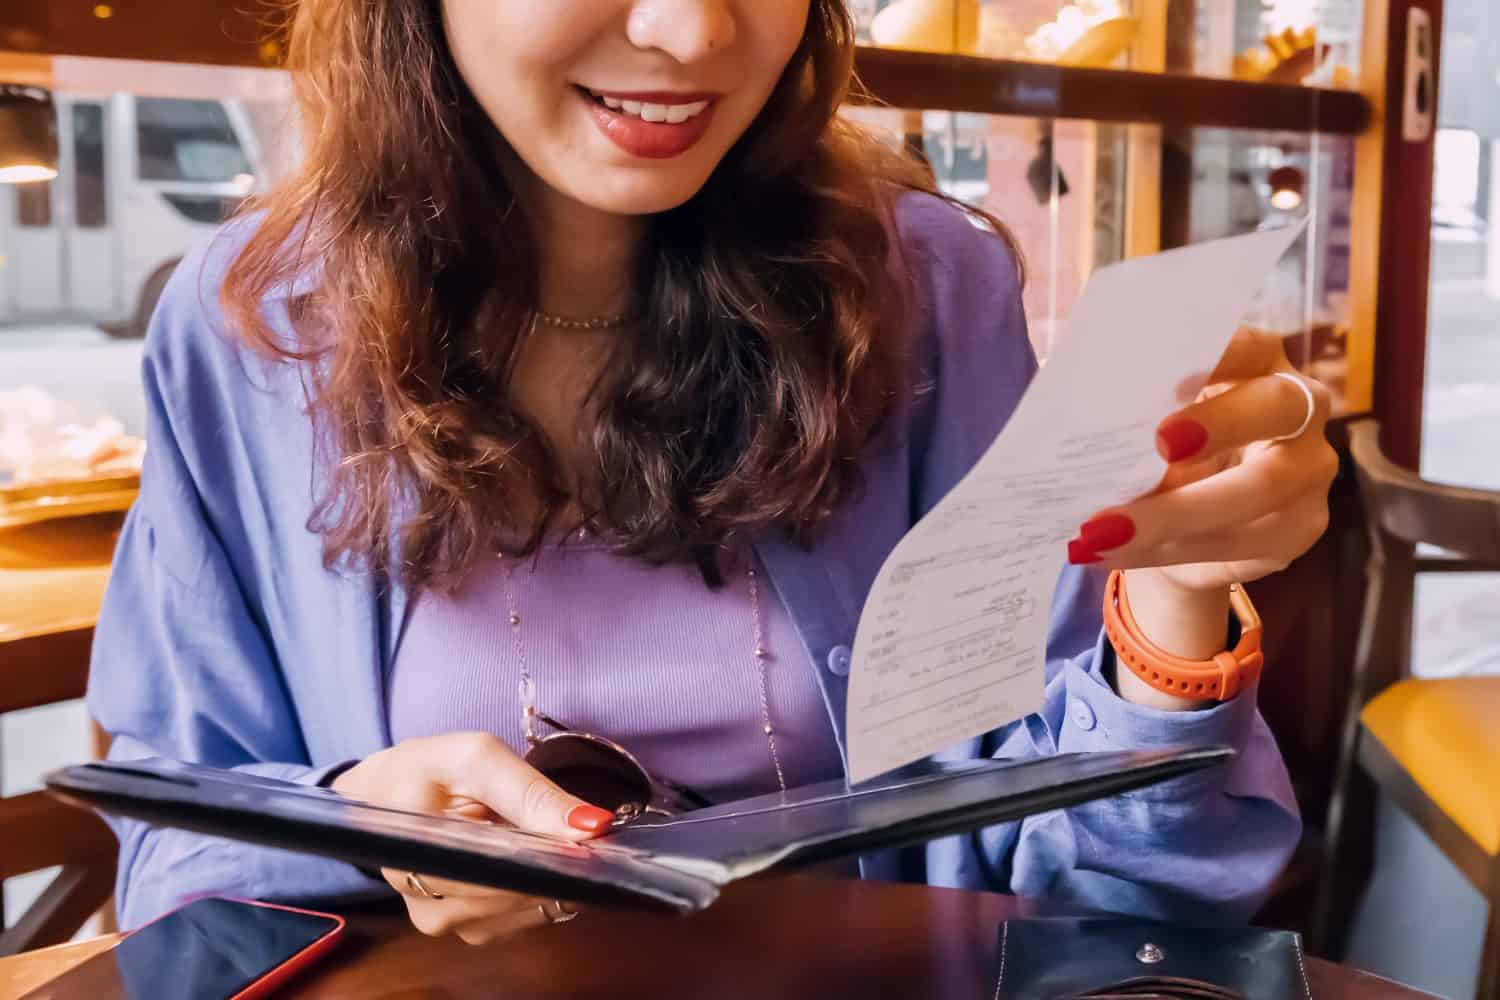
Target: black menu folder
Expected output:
[679,863]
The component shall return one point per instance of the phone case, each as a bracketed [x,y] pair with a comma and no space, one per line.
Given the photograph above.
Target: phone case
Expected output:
[278,977]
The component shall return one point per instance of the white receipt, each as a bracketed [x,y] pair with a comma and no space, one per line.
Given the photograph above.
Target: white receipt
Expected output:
[952,640]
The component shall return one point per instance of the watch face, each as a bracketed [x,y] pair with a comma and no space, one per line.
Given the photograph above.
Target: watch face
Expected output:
[1245,611]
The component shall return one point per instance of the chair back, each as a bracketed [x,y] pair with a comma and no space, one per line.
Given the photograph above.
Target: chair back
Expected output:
[49,597]
[1464,522]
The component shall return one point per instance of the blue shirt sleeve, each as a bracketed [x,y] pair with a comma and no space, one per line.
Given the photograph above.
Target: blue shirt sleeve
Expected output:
[182,668]
[1204,847]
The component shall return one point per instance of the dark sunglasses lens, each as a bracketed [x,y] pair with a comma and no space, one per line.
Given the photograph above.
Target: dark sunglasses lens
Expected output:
[592,771]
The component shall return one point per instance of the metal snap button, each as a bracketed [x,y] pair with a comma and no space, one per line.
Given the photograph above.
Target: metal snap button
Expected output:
[1150,954]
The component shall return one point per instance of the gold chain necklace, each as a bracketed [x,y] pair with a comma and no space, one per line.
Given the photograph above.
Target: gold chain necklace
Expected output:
[591,324]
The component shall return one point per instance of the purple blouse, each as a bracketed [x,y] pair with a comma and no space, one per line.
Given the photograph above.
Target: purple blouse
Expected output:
[645,655]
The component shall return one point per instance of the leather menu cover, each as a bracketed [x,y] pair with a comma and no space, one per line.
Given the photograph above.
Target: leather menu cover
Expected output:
[679,863]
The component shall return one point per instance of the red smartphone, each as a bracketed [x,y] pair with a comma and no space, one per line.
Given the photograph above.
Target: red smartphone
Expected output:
[213,948]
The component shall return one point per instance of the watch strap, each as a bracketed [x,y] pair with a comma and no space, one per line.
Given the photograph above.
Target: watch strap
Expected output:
[1221,678]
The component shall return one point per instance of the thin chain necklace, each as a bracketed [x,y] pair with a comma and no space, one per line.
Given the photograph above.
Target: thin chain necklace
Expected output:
[590,324]
[759,653]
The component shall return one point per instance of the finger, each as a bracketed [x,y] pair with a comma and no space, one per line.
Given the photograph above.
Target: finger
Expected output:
[1179,474]
[445,888]
[481,767]
[1271,542]
[458,905]
[482,932]
[1271,479]
[439,917]
[1251,353]
[1260,409]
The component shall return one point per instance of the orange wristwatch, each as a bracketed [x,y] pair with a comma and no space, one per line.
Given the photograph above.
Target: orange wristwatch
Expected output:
[1220,678]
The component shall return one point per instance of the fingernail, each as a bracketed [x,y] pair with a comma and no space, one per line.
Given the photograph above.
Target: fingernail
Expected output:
[1080,554]
[590,819]
[1105,532]
[1180,439]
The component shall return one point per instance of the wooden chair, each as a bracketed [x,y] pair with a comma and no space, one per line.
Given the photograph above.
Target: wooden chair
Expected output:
[51,581]
[1430,746]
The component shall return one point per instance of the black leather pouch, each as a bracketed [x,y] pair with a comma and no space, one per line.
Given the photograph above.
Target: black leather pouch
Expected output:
[1116,959]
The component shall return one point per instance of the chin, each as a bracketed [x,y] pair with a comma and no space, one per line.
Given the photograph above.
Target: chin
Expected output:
[640,195]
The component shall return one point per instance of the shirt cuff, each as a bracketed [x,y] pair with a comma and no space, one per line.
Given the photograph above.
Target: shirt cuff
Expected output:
[324,777]
[1096,718]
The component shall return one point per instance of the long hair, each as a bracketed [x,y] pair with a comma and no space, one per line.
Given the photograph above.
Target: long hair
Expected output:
[767,341]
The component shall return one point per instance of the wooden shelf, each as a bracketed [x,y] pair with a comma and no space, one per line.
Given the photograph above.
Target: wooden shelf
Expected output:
[214,32]
[921,80]
[225,33]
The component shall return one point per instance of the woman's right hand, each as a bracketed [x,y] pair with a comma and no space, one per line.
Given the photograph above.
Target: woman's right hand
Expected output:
[474,776]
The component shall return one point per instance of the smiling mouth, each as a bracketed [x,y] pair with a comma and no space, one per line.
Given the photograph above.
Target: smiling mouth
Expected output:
[660,111]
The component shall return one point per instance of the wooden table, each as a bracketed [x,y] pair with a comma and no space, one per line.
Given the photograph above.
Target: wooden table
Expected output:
[785,938]
[52,578]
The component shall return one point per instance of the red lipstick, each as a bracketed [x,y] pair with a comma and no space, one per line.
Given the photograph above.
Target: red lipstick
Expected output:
[651,140]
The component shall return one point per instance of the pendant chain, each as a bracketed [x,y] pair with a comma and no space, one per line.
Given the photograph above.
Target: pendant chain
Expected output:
[761,656]
[758,651]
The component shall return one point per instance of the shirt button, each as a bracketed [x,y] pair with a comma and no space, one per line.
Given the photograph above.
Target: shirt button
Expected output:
[1083,716]
[839,659]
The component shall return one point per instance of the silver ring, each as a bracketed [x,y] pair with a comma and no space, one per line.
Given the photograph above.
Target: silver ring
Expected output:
[1312,405]
[415,884]
[554,912]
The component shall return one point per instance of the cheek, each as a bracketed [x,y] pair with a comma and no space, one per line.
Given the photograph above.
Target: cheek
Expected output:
[514,54]
[776,28]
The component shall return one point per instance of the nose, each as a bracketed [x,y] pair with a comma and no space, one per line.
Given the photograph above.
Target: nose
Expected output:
[686,30]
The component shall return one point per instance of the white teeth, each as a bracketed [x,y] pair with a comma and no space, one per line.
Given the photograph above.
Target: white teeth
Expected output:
[672,114]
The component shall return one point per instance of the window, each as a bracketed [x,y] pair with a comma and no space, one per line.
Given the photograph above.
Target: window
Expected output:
[180,140]
[34,205]
[90,198]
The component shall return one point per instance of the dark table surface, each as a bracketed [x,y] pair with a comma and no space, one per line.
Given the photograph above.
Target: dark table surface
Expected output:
[786,938]
[799,937]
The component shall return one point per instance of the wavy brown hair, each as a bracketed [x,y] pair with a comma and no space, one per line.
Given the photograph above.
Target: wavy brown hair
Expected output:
[766,346]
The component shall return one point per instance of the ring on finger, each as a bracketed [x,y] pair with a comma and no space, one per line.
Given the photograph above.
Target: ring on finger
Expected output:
[415,884]
[1312,405]
[556,912]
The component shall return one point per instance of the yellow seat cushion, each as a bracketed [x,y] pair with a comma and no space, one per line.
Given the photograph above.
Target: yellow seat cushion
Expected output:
[1446,734]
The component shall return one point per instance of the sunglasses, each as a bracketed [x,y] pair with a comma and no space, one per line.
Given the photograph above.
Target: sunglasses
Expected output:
[601,772]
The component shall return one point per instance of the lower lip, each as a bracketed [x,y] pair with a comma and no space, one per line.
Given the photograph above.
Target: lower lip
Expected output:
[649,140]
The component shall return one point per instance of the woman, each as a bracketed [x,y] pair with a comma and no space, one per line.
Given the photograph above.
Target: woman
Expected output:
[589,350]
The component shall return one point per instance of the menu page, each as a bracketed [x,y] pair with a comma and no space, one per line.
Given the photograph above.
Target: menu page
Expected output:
[952,640]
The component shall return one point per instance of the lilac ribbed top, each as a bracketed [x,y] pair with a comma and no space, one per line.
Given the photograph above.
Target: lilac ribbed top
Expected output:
[645,655]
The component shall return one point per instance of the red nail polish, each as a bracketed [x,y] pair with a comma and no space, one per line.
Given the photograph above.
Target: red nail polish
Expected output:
[1105,532]
[590,819]
[1080,554]
[1180,439]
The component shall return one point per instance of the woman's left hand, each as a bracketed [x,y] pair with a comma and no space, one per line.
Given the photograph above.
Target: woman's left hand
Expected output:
[1235,504]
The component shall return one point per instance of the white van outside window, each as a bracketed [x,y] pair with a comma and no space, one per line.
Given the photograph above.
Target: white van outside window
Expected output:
[141,181]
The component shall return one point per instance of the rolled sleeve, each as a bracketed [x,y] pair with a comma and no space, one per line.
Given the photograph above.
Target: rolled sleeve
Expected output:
[1094,717]
[1204,847]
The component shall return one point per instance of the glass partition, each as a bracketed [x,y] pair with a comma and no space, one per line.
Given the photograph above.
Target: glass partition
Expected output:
[1064,189]
[1304,42]
[153,157]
